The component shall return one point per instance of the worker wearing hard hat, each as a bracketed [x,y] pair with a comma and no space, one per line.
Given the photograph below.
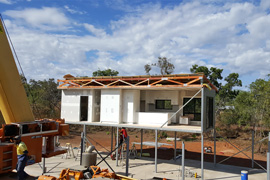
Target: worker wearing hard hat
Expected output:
[22,155]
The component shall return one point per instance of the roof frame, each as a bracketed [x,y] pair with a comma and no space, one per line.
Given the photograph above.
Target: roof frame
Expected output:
[176,80]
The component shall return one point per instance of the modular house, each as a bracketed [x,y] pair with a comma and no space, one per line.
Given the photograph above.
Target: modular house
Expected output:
[170,100]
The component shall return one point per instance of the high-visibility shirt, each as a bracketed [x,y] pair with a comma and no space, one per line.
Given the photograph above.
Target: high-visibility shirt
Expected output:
[22,152]
[21,148]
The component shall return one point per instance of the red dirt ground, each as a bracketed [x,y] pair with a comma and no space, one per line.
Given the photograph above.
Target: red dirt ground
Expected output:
[101,139]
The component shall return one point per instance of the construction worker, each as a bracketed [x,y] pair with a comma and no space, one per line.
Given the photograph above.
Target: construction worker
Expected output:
[123,134]
[22,155]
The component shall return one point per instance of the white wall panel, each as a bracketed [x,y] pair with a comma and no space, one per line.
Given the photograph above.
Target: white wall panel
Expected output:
[152,96]
[153,118]
[70,104]
[110,105]
[131,105]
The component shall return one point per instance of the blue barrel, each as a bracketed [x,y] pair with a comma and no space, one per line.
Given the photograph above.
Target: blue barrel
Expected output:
[244,175]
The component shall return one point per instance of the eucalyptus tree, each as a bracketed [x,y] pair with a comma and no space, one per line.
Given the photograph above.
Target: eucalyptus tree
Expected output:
[164,64]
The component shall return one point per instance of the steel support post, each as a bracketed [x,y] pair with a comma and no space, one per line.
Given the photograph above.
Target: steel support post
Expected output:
[43,165]
[252,163]
[141,141]
[175,145]
[84,136]
[215,147]
[112,139]
[156,146]
[117,144]
[202,128]
[183,160]
[268,158]
[127,155]
[82,144]
[202,159]
[44,142]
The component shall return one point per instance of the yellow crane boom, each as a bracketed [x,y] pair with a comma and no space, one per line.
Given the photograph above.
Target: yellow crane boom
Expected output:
[14,104]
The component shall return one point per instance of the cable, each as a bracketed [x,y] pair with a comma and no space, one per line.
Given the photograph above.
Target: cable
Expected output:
[16,57]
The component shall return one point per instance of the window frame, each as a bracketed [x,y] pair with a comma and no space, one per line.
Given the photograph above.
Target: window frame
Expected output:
[194,102]
[163,101]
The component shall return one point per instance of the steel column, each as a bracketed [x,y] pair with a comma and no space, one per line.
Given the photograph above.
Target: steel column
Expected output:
[84,136]
[82,144]
[141,141]
[252,164]
[127,155]
[156,146]
[183,160]
[202,159]
[43,165]
[215,148]
[175,145]
[202,128]
[112,139]
[268,158]
[117,144]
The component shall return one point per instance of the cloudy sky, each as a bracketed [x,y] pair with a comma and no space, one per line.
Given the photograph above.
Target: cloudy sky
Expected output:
[54,38]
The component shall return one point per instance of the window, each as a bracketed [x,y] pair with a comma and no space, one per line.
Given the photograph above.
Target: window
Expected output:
[164,104]
[193,109]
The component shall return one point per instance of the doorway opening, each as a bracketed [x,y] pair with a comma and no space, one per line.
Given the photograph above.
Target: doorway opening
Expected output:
[84,108]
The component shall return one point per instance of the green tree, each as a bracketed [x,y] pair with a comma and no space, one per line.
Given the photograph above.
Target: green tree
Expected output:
[213,74]
[252,106]
[106,72]
[44,98]
[164,64]
[227,93]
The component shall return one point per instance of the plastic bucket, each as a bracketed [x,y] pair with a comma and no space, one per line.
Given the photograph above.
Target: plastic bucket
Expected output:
[244,175]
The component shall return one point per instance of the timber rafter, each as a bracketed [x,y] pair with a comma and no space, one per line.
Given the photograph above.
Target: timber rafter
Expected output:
[176,80]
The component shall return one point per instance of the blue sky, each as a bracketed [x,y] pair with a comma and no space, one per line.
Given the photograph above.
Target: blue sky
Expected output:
[54,38]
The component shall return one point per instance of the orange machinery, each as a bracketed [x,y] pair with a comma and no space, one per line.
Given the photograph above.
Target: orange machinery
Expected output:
[32,134]
[92,172]
[16,112]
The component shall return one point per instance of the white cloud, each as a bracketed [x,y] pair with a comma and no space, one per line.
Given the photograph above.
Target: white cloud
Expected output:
[95,31]
[6,1]
[234,36]
[265,4]
[72,11]
[45,18]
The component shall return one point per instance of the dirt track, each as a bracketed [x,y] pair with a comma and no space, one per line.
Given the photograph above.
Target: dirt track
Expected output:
[102,141]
